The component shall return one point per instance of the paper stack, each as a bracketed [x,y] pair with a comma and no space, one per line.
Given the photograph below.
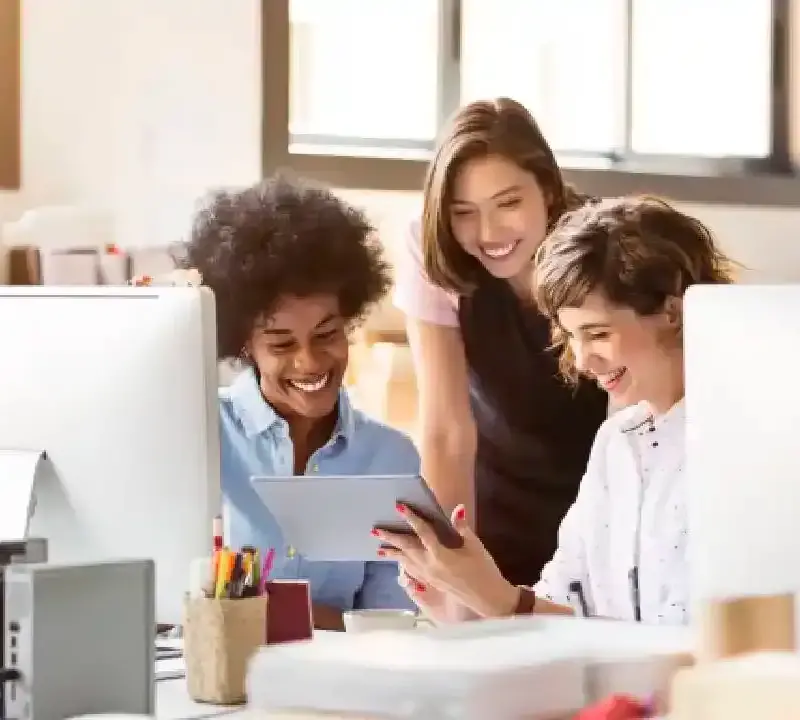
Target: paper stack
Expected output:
[505,670]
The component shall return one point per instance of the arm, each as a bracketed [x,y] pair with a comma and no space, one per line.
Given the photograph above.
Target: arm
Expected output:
[493,596]
[447,431]
[568,564]
[447,434]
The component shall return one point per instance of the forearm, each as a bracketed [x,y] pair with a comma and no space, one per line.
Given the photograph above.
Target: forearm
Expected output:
[448,466]
[327,617]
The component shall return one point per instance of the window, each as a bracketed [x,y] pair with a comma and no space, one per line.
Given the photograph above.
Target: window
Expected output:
[701,77]
[680,87]
[363,75]
[565,61]
[10,94]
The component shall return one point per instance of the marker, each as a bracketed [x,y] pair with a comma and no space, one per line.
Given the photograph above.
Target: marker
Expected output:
[224,575]
[633,579]
[216,532]
[581,607]
[269,559]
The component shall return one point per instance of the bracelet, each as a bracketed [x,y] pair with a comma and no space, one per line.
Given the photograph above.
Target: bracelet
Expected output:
[526,601]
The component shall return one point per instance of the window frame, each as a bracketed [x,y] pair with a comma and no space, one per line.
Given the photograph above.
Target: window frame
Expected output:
[772,181]
[10,95]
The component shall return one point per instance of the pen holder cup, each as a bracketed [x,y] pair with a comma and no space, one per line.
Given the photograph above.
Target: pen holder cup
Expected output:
[219,637]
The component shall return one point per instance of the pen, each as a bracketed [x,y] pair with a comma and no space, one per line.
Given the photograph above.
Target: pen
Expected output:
[581,607]
[633,579]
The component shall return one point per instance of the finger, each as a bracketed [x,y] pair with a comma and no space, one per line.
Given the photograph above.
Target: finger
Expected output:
[459,520]
[402,541]
[409,582]
[389,553]
[422,529]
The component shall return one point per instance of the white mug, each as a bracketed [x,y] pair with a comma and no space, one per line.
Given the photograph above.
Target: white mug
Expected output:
[360,621]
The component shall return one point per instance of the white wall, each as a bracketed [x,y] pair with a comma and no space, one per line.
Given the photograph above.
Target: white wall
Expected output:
[138,106]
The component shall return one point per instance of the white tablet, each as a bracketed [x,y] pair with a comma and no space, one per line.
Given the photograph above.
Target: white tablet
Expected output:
[331,517]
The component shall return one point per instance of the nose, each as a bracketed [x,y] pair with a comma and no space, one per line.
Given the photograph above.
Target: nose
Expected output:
[306,360]
[488,229]
[581,356]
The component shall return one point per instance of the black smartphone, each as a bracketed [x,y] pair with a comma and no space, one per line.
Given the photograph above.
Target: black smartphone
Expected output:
[413,492]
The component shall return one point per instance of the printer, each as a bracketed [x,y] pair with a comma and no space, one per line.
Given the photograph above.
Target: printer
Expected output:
[75,639]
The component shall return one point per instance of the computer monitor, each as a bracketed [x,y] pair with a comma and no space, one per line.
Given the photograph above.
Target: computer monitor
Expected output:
[119,387]
[742,347]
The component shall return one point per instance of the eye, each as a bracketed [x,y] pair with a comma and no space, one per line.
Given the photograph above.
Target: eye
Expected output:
[599,335]
[281,346]
[461,212]
[510,203]
[327,334]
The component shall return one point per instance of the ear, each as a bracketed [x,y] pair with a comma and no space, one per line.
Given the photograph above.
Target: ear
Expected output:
[673,311]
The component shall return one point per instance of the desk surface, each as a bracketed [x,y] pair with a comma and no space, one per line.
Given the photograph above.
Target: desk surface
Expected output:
[173,703]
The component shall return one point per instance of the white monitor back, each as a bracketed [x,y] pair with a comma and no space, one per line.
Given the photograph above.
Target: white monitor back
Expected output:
[119,387]
[743,439]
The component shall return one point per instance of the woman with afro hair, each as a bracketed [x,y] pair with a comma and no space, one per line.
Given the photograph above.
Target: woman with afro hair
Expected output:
[293,269]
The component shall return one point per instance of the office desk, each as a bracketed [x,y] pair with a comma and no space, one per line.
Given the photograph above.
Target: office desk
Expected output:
[174,703]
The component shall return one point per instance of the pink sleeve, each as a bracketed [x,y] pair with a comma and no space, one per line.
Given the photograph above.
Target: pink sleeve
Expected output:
[414,294]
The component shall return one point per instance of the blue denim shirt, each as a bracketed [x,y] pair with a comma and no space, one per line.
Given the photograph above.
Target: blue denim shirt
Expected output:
[255,441]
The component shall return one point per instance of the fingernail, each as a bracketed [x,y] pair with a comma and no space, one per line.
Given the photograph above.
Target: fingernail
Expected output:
[419,587]
[381,553]
[374,532]
[401,508]
[461,513]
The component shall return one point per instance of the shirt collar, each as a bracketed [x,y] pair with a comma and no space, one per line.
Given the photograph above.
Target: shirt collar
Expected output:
[641,415]
[258,416]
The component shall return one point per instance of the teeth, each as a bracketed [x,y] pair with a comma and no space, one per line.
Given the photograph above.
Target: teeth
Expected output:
[498,251]
[609,378]
[313,385]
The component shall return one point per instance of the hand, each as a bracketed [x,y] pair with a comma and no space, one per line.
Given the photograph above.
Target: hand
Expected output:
[432,602]
[468,574]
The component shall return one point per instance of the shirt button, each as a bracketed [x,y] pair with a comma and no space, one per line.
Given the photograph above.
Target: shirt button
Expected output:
[315,468]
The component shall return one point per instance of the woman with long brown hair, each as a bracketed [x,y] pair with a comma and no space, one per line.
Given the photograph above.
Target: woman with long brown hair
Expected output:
[500,430]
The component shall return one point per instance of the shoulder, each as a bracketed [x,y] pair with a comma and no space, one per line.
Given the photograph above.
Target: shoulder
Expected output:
[231,427]
[391,450]
[414,293]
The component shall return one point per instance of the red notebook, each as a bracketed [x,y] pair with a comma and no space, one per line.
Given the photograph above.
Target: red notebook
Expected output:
[289,616]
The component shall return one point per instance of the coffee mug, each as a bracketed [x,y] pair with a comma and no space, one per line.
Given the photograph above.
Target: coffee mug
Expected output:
[360,621]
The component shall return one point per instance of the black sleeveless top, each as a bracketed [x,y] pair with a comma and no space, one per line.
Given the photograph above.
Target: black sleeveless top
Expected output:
[535,431]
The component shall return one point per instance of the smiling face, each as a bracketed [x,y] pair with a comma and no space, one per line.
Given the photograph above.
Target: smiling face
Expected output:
[301,353]
[498,214]
[634,358]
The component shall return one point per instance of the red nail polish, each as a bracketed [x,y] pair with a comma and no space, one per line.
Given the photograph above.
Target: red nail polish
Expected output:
[374,532]
[401,508]
[419,587]
[461,513]
[381,553]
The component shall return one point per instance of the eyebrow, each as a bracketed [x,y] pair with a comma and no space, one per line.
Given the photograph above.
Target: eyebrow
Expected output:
[593,326]
[506,191]
[286,331]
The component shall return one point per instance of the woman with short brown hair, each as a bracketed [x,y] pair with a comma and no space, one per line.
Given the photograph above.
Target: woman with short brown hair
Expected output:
[500,431]
[611,277]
